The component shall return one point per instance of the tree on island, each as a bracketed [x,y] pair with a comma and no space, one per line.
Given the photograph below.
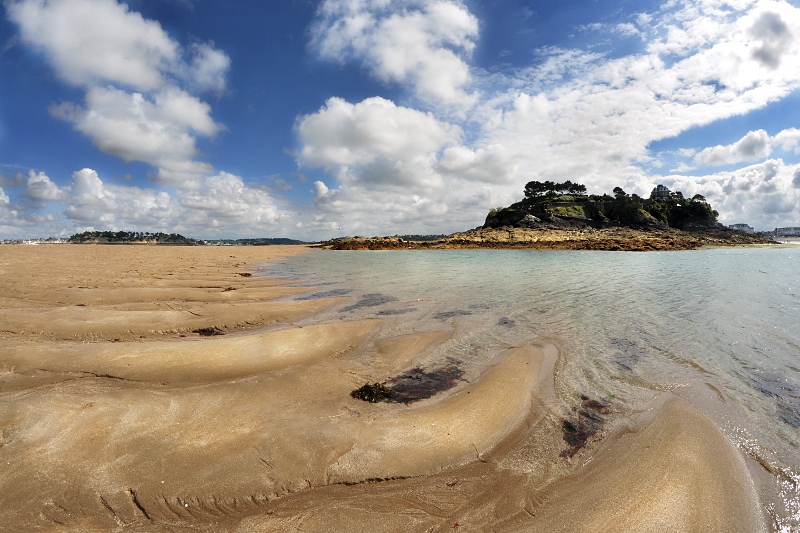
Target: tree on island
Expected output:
[537,189]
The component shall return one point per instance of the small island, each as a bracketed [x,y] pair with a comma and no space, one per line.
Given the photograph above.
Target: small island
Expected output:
[561,216]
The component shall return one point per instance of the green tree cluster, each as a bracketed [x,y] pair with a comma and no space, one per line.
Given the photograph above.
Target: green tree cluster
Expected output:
[673,209]
[536,189]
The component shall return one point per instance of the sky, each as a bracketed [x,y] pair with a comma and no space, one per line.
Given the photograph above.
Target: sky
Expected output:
[317,119]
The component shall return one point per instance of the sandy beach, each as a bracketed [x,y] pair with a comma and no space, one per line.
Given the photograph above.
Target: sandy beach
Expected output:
[157,388]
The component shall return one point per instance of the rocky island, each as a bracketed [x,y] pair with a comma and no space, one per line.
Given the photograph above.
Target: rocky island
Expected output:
[561,216]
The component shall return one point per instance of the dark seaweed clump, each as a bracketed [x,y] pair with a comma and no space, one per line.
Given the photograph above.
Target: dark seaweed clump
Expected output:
[589,421]
[413,385]
[377,392]
[209,332]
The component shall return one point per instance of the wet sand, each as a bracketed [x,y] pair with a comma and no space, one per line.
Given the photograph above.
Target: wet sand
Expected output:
[116,416]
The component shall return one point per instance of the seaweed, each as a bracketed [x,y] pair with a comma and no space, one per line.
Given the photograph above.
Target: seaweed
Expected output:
[589,421]
[411,386]
[377,392]
[209,332]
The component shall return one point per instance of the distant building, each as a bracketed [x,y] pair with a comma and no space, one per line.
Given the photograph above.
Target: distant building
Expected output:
[742,227]
[660,193]
[787,232]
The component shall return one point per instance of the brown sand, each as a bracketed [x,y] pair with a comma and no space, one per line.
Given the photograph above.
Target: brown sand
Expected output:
[255,430]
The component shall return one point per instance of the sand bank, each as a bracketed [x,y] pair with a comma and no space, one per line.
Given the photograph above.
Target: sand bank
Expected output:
[256,431]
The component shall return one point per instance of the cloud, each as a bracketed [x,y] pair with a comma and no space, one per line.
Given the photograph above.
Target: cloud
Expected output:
[764,195]
[12,181]
[137,105]
[224,201]
[442,211]
[754,145]
[18,220]
[39,187]
[421,43]
[124,49]
[773,37]
[134,128]
[99,205]
[221,205]
[209,67]
[396,167]
[492,164]
[376,144]
[591,118]
[788,139]
[344,134]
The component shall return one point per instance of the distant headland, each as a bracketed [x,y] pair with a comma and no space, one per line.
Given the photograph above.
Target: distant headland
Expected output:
[175,239]
[562,216]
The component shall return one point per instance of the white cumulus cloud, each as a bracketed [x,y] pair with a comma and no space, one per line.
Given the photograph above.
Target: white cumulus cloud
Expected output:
[754,145]
[136,79]
[90,42]
[39,187]
[135,128]
[347,134]
[423,43]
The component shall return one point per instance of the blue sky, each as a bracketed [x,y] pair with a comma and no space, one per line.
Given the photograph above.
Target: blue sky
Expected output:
[314,119]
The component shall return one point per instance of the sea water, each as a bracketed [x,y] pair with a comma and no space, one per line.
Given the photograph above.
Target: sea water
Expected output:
[720,327]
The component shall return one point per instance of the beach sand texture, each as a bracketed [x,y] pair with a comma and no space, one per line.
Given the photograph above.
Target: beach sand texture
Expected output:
[115,416]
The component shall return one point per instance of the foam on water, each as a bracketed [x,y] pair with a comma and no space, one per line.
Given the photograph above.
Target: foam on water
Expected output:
[723,322]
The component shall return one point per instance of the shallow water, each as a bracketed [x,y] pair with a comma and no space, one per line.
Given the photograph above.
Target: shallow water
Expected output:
[718,326]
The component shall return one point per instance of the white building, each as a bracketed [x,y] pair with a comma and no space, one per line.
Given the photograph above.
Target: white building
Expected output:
[787,232]
[660,193]
[742,227]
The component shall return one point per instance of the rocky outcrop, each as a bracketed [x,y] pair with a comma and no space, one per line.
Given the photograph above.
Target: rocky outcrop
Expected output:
[564,238]
[602,212]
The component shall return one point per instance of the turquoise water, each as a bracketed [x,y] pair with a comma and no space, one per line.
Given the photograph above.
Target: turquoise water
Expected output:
[720,327]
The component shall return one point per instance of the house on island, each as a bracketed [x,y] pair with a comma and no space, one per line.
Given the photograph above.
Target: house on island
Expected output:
[787,232]
[660,193]
[742,227]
